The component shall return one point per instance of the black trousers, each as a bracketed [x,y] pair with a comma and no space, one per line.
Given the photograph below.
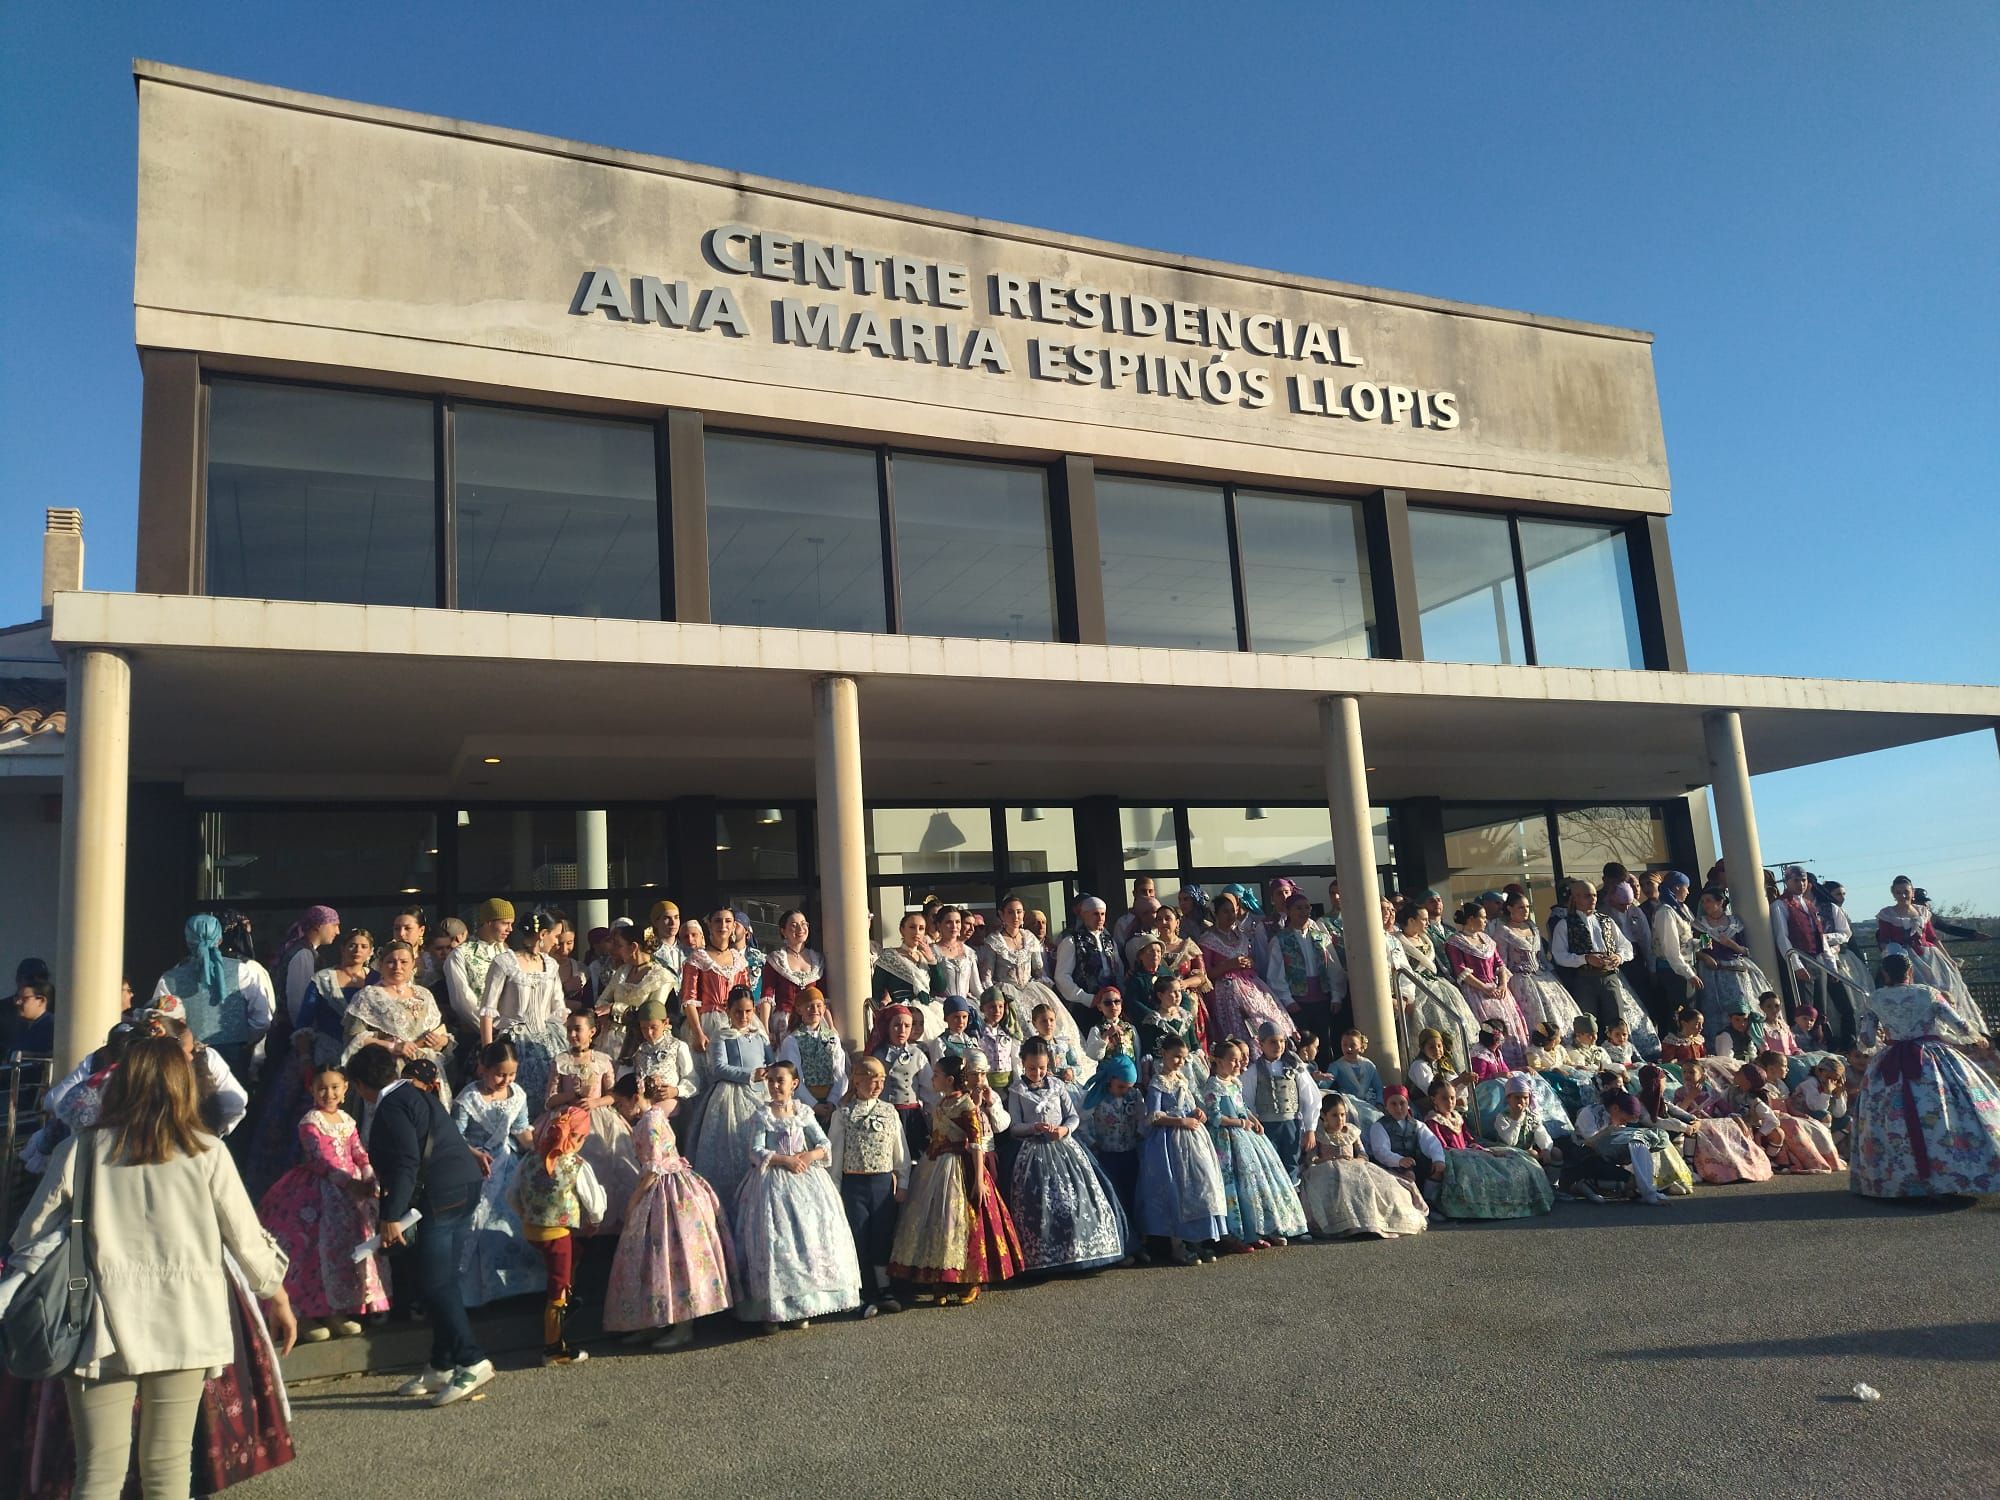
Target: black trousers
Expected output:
[1596,995]
[870,1201]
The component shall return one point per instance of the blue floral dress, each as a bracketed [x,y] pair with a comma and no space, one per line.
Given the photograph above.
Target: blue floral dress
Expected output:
[1180,1182]
[1066,1211]
[1262,1204]
[497,1261]
[1927,1119]
[795,1255]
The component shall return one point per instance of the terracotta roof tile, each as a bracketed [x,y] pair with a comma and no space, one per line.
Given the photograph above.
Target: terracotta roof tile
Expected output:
[32,705]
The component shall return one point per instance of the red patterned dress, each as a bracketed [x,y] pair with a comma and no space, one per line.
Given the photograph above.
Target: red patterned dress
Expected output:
[955,1229]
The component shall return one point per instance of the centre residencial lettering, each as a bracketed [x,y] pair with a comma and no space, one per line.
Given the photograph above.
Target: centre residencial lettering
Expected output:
[1172,349]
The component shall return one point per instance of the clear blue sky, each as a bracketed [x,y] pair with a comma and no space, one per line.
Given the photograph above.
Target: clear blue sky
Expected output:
[1799,200]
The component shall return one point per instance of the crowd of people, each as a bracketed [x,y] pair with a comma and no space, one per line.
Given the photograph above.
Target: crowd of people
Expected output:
[664,1118]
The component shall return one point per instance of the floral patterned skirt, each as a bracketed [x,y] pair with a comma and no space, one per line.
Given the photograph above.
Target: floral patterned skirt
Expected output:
[947,1237]
[794,1253]
[1725,1151]
[1261,1203]
[1495,1184]
[1065,1211]
[1927,1122]
[673,1256]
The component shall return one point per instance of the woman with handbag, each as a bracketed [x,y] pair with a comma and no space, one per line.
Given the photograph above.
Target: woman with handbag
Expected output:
[160,1202]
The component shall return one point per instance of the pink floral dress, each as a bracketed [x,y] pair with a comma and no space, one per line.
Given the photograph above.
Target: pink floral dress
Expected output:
[317,1221]
[673,1254]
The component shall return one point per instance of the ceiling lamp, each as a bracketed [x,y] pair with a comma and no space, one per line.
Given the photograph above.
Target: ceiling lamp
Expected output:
[721,835]
[1031,815]
[766,816]
[1255,814]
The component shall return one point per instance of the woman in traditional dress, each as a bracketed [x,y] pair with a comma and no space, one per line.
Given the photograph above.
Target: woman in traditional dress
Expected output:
[788,969]
[904,975]
[1543,998]
[1482,1182]
[708,977]
[1722,956]
[1481,972]
[330,992]
[1426,998]
[1261,1205]
[1011,960]
[1065,1209]
[1677,976]
[492,1114]
[298,959]
[1241,1001]
[954,1232]
[1905,926]
[523,1002]
[398,1013]
[1180,956]
[227,1002]
[1345,1194]
[1927,1121]
[634,978]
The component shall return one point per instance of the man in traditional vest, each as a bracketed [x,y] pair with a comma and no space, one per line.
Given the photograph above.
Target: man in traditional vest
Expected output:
[1588,949]
[1811,962]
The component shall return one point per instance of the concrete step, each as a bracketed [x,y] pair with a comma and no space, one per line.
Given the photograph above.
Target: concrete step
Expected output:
[502,1328]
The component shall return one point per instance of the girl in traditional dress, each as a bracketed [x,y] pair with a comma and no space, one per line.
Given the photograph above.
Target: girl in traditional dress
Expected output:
[1483,979]
[813,1048]
[897,1044]
[789,969]
[672,1261]
[1180,956]
[1345,1195]
[523,1001]
[572,967]
[1013,960]
[955,1231]
[736,1063]
[1531,975]
[904,975]
[1261,1205]
[1926,1121]
[557,1196]
[1906,927]
[634,979]
[1482,1182]
[492,1115]
[1067,1064]
[960,1037]
[1240,1001]
[320,1212]
[1722,956]
[1065,1210]
[399,1013]
[1433,1061]
[1726,1149]
[655,1056]
[582,1079]
[1181,1195]
[1113,1123]
[1686,1047]
[1426,998]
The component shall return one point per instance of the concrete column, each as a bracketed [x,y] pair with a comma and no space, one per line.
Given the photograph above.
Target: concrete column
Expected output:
[1736,821]
[90,889]
[593,868]
[1360,890]
[843,858]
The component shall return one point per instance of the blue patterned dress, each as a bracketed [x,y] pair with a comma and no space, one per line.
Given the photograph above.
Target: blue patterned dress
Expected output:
[794,1254]
[1262,1204]
[497,1261]
[1180,1183]
[1066,1212]
[1927,1119]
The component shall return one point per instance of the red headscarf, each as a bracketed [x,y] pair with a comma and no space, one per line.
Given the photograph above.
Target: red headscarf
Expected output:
[562,1132]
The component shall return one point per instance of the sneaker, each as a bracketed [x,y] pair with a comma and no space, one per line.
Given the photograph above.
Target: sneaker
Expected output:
[464,1382]
[429,1383]
[676,1337]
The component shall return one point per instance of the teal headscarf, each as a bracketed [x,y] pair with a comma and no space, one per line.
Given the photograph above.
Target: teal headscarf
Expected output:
[208,984]
[204,943]
[1117,1067]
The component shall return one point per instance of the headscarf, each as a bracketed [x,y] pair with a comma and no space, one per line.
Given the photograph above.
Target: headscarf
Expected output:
[879,1036]
[959,1005]
[1245,897]
[1753,1039]
[651,1010]
[204,944]
[1518,1083]
[295,935]
[561,1133]
[493,909]
[1673,891]
[1115,1068]
[1284,887]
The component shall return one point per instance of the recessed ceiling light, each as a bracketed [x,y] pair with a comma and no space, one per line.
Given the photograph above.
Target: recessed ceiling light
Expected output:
[492,760]
[411,890]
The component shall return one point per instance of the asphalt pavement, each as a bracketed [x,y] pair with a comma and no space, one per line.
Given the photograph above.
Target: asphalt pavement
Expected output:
[1704,1348]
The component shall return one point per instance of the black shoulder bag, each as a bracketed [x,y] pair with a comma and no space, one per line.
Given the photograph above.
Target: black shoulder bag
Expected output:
[45,1325]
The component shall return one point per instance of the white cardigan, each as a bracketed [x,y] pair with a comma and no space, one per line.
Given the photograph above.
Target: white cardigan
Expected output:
[156,1238]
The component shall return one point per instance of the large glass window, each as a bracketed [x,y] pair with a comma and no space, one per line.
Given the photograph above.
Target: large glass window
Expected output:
[1589,838]
[794,535]
[1165,552]
[757,843]
[1468,606]
[1148,836]
[320,495]
[1041,838]
[1490,848]
[1305,575]
[972,549]
[1220,837]
[930,840]
[1580,595]
[508,850]
[556,515]
[313,854]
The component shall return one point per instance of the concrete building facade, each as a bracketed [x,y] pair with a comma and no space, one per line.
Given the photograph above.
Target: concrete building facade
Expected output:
[525,517]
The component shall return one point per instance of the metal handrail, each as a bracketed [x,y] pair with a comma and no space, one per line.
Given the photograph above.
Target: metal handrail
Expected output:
[24,1081]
